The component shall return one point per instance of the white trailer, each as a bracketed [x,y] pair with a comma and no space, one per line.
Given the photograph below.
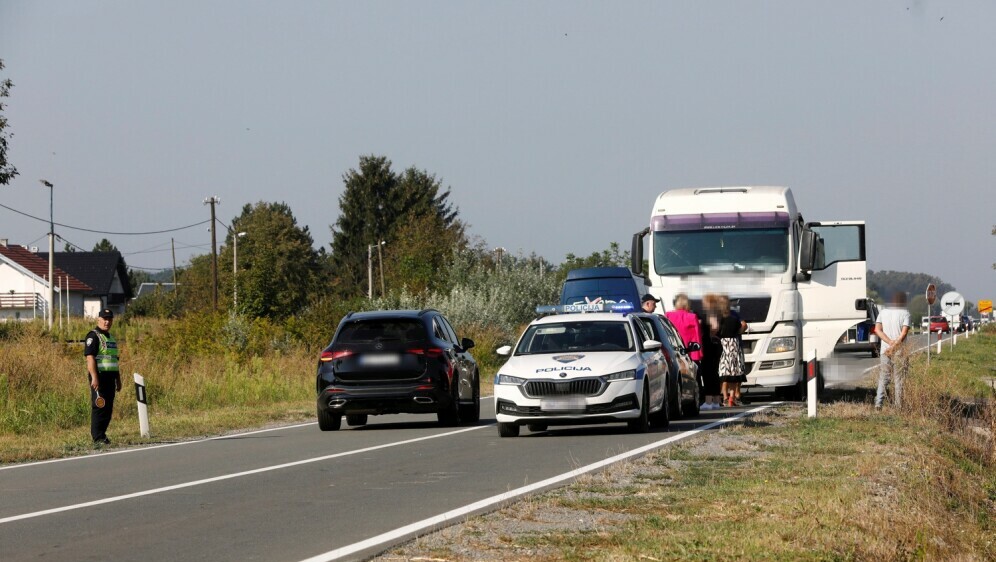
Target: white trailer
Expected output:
[799,285]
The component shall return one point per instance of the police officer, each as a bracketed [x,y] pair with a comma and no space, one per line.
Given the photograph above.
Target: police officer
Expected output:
[101,353]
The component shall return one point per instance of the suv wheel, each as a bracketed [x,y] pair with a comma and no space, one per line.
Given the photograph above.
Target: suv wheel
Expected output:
[450,414]
[471,413]
[328,421]
[354,420]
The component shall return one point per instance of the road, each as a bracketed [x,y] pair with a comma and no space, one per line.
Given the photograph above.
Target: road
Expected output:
[295,493]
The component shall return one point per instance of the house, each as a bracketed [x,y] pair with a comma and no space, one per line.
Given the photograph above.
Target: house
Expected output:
[104,272]
[24,286]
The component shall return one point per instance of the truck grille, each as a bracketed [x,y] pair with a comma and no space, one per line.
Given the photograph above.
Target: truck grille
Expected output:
[576,387]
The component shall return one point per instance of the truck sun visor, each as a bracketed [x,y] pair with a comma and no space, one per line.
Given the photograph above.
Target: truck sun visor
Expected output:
[720,221]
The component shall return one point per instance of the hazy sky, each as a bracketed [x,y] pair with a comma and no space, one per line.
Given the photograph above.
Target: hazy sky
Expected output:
[556,124]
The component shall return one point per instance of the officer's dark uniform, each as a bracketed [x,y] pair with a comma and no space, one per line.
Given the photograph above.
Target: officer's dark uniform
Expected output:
[104,348]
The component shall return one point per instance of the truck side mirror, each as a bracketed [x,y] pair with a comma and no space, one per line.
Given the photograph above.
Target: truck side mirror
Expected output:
[636,252]
[861,304]
[807,250]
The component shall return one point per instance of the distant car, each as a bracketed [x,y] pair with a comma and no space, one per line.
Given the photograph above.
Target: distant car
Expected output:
[939,324]
[571,369]
[397,361]
[965,324]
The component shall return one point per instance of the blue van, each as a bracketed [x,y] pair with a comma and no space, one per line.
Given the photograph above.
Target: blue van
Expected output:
[594,286]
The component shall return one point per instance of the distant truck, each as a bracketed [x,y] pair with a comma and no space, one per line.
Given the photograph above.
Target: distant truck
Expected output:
[800,285]
[593,289]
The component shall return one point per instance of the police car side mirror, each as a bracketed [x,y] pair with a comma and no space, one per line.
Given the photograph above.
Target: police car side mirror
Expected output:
[651,345]
[504,350]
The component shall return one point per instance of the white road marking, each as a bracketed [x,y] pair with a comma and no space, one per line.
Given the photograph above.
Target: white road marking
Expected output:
[231,476]
[454,515]
[140,448]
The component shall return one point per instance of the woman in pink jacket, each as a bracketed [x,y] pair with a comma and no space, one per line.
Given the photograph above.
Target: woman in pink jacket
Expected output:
[687,324]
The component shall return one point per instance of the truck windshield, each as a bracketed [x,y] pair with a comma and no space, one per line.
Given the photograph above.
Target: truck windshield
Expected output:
[698,252]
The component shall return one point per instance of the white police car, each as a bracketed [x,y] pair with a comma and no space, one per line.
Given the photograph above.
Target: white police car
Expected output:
[572,369]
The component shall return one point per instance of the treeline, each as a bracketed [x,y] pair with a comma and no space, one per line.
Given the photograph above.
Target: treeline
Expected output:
[883,284]
[427,259]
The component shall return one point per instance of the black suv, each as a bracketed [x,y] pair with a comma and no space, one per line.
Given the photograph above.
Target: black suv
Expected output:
[393,362]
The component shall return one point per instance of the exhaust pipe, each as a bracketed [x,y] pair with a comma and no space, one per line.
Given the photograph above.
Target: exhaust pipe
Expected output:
[423,400]
[337,403]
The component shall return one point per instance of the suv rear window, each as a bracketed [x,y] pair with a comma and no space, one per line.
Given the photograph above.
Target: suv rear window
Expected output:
[390,332]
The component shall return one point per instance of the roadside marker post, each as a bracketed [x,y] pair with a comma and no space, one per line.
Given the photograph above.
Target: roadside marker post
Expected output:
[931,296]
[938,342]
[143,407]
[812,373]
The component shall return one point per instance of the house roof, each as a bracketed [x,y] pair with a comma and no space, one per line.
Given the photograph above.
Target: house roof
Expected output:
[96,269]
[39,267]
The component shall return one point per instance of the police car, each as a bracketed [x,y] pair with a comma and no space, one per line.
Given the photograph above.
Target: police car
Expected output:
[580,368]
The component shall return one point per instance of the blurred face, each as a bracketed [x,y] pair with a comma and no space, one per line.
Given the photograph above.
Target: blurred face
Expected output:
[649,306]
[104,323]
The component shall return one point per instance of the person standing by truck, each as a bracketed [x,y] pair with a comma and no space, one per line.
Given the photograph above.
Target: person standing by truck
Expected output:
[892,326]
[731,359]
[711,351]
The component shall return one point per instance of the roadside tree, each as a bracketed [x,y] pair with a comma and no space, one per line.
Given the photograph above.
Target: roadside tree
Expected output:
[7,170]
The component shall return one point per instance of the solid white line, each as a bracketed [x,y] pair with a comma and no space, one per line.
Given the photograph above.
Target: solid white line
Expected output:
[230,476]
[140,448]
[450,516]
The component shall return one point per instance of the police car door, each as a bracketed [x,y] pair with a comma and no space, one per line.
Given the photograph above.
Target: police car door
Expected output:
[656,363]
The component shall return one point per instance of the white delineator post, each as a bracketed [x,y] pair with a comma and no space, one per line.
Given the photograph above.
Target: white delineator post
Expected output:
[811,387]
[143,407]
[938,342]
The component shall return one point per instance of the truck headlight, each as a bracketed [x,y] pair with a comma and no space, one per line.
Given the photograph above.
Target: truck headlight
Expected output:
[621,376]
[781,345]
[508,379]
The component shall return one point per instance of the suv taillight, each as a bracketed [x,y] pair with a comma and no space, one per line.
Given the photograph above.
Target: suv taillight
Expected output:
[428,352]
[333,355]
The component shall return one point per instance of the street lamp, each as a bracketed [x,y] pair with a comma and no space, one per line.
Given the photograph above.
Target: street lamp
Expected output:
[235,269]
[51,249]
[370,275]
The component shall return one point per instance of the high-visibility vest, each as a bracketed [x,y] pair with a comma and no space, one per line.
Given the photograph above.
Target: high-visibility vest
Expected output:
[107,356]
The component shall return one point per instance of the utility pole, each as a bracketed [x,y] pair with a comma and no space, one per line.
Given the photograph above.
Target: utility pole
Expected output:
[214,200]
[380,260]
[172,246]
[51,250]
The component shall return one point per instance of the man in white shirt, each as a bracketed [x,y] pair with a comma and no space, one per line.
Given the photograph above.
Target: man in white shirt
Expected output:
[892,326]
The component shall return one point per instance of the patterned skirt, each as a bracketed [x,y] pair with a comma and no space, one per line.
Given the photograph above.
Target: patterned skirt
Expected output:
[731,362]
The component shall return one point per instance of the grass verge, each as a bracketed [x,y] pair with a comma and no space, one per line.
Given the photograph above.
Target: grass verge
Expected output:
[911,483]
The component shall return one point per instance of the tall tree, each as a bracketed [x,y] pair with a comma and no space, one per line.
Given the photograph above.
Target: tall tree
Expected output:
[277,263]
[380,205]
[105,246]
[7,170]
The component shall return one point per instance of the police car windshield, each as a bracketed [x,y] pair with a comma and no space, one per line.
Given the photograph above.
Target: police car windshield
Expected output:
[576,337]
[696,252]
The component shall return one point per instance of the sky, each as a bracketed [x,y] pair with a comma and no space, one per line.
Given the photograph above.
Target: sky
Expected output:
[555,124]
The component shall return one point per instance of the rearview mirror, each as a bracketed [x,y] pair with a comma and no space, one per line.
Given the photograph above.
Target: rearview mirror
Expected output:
[651,345]
[504,350]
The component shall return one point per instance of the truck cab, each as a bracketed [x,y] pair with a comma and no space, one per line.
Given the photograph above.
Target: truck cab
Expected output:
[799,285]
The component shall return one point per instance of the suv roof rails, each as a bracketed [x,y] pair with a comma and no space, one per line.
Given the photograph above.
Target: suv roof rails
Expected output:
[348,314]
[426,310]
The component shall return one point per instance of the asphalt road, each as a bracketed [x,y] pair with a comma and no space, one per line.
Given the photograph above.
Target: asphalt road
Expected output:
[295,493]
[292,493]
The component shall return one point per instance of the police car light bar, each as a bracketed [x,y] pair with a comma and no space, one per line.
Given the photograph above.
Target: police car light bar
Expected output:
[584,307]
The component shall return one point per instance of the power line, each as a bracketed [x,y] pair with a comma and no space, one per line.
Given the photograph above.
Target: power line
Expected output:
[105,232]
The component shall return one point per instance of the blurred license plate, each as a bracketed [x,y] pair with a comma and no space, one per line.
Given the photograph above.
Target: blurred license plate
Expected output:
[380,360]
[565,404]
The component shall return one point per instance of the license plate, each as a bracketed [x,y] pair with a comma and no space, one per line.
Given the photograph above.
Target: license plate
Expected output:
[380,360]
[565,404]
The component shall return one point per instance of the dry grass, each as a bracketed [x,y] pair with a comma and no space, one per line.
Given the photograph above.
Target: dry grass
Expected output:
[917,482]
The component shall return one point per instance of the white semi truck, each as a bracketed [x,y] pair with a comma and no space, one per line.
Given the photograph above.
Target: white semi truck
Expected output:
[799,285]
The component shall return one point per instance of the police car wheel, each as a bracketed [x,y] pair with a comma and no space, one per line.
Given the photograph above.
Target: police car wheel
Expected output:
[508,429]
[642,423]
[328,421]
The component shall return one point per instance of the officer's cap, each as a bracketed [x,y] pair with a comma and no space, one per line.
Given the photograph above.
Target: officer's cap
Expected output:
[106,313]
